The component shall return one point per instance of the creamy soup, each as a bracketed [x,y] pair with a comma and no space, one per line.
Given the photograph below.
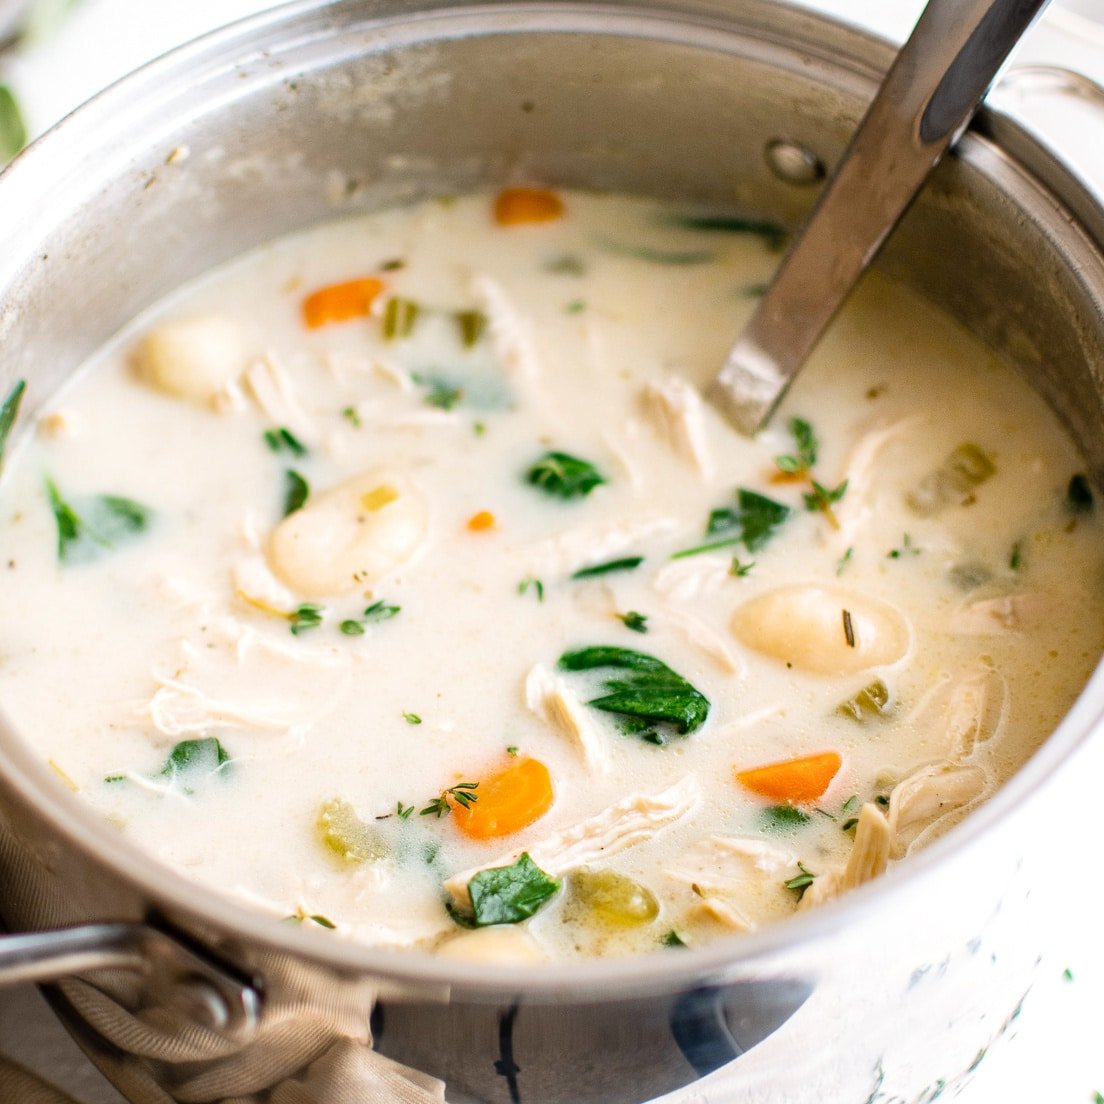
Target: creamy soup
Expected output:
[397,580]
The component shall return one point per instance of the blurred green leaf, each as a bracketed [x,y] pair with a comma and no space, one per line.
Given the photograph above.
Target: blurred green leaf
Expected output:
[13,131]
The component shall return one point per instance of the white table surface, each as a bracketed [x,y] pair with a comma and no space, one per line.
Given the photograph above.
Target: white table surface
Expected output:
[1055,1052]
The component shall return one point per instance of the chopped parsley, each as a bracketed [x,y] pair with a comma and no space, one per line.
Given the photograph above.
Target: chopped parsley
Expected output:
[564,476]
[411,718]
[627,563]
[822,499]
[530,583]
[636,622]
[801,881]
[399,317]
[512,750]
[1079,496]
[381,611]
[281,439]
[907,549]
[10,410]
[507,894]
[307,616]
[195,757]
[352,417]
[673,939]
[463,793]
[296,491]
[105,521]
[740,569]
[807,445]
[649,698]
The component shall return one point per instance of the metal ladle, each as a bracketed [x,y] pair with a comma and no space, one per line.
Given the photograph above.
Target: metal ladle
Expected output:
[924,104]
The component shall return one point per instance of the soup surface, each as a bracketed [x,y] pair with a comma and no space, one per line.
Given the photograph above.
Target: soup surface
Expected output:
[397,580]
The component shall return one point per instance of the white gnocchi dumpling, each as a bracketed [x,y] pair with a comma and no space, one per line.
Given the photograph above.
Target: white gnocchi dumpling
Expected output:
[349,537]
[496,945]
[198,358]
[823,629]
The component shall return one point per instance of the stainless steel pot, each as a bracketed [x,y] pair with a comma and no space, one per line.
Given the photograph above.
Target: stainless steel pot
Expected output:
[317,109]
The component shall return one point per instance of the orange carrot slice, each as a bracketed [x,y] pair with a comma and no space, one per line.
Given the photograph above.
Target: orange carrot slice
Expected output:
[482,521]
[803,779]
[507,801]
[516,206]
[341,302]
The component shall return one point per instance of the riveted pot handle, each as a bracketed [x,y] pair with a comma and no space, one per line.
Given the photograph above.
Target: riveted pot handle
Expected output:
[176,977]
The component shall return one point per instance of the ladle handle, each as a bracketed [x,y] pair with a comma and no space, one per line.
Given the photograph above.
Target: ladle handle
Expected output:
[926,101]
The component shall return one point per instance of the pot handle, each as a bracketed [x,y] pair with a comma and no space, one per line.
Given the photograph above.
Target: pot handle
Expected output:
[176,976]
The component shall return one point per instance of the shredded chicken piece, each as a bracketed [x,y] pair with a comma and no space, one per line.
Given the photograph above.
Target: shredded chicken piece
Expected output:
[510,332]
[678,414]
[996,616]
[631,820]
[271,388]
[930,800]
[868,860]
[617,449]
[726,913]
[258,587]
[977,708]
[720,864]
[707,640]
[682,580]
[177,709]
[577,548]
[548,696]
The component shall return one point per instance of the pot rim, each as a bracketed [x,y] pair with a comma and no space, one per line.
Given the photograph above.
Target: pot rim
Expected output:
[33,781]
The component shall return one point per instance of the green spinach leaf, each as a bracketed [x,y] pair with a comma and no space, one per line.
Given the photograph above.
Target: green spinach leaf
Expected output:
[564,476]
[508,894]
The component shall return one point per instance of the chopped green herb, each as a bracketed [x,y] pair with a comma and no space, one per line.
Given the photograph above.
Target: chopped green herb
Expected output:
[801,882]
[113,778]
[849,804]
[785,816]
[472,325]
[392,265]
[440,392]
[1015,557]
[870,701]
[849,824]
[322,922]
[463,793]
[352,628]
[403,811]
[479,428]
[684,258]
[509,894]
[711,546]
[673,939]
[399,317]
[822,499]
[282,439]
[536,585]
[1098,1098]
[636,622]
[1067,974]
[722,520]
[907,549]
[107,520]
[206,755]
[412,718]
[296,491]
[807,445]
[307,616]
[576,306]
[563,475]
[759,517]
[352,417]
[844,560]
[566,265]
[773,235]
[10,410]
[13,130]
[512,749]
[625,564]
[647,695]
[740,569]
[1079,496]
[381,611]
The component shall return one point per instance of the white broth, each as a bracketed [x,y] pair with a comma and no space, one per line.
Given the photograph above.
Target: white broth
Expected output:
[802,656]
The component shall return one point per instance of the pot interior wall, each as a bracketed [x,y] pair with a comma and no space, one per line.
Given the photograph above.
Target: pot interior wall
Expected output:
[213,154]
